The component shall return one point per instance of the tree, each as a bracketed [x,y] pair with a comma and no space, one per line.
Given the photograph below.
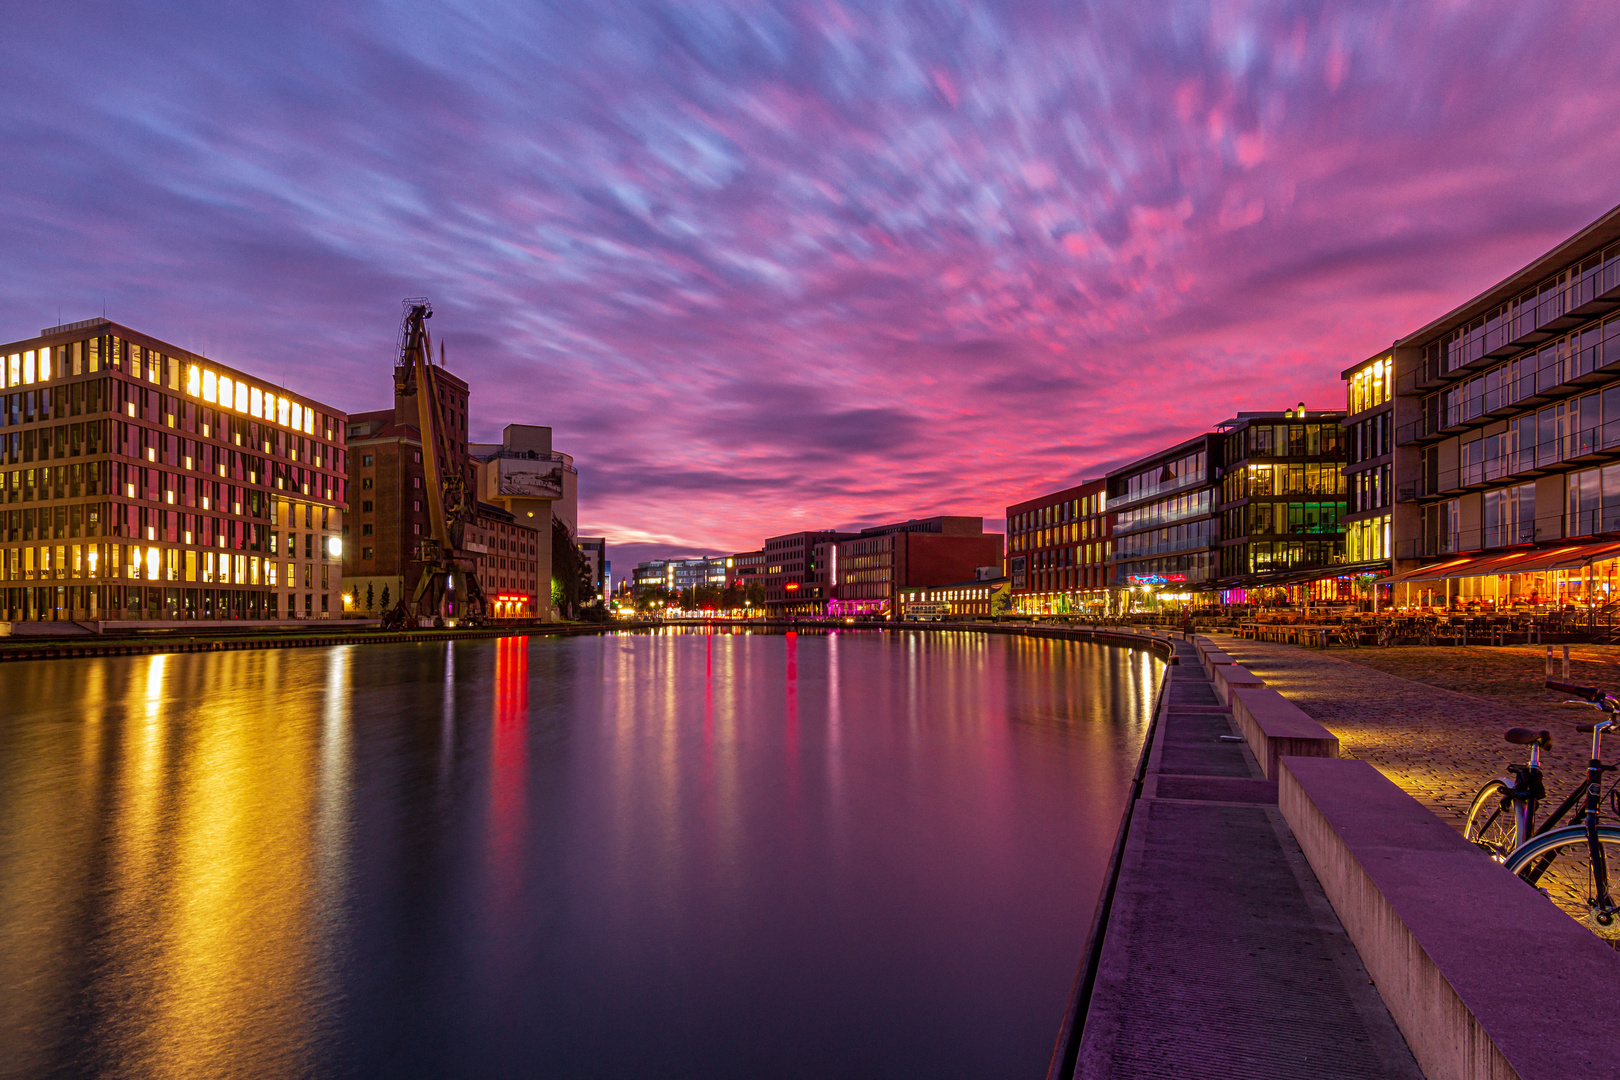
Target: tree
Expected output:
[370,597]
[573,587]
[385,598]
[653,598]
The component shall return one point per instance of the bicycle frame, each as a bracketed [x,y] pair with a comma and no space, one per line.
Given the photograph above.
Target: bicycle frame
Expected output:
[1592,789]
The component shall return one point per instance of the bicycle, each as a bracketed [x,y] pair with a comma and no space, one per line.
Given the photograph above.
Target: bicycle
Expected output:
[1574,857]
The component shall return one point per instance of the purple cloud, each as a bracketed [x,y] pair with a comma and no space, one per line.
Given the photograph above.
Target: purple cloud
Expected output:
[765,267]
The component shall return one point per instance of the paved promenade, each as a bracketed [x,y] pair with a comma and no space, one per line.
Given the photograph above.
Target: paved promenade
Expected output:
[1439,744]
[1222,956]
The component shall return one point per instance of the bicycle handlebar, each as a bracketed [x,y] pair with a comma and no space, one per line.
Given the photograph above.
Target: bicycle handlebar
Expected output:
[1585,693]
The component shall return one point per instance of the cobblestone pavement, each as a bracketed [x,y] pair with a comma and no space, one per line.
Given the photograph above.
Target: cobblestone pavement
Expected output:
[1431,719]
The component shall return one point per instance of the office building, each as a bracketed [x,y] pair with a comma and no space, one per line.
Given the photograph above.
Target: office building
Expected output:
[1166,508]
[683,577]
[1281,503]
[1058,550]
[144,482]
[795,572]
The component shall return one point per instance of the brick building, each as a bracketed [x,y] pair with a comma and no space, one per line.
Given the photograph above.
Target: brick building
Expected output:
[141,481]
[865,572]
[795,572]
[980,598]
[1058,546]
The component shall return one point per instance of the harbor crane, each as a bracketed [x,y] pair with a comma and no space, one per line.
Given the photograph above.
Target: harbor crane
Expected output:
[447,592]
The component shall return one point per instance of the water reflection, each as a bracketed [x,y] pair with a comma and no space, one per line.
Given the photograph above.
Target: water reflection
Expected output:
[658,854]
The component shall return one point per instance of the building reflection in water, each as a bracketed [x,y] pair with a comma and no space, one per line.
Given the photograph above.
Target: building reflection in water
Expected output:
[627,855]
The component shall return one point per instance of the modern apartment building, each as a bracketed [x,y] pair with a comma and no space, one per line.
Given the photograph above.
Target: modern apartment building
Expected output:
[1058,547]
[1282,497]
[144,482]
[864,573]
[1369,471]
[1166,509]
[1507,431]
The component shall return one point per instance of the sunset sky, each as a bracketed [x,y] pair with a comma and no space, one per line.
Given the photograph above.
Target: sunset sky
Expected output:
[765,267]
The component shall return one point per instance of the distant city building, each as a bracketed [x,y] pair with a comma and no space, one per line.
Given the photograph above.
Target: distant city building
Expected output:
[1058,547]
[979,598]
[862,574]
[509,567]
[149,483]
[682,575]
[595,551]
[747,566]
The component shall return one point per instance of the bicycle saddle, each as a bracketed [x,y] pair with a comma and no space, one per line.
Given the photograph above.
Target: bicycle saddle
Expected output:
[1523,736]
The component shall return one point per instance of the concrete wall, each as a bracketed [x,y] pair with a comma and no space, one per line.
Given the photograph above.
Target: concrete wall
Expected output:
[1486,979]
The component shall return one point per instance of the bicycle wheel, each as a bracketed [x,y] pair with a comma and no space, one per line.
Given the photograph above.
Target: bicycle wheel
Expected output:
[1490,825]
[1569,879]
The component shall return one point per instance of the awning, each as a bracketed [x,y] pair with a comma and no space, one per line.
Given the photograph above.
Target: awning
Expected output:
[1569,557]
[1465,566]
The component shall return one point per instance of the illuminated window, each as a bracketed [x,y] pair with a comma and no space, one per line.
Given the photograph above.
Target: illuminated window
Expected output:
[209,386]
[193,381]
[44,365]
[297,416]
[28,366]
[258,402]
[309,421]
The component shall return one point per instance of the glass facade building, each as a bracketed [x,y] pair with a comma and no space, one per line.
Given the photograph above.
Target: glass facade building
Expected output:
[1282,498]
[1167,526]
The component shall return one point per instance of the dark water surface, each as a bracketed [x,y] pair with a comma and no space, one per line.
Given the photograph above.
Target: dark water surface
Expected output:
[641,855]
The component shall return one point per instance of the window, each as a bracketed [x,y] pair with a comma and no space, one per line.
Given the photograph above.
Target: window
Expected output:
[365,530]
[1510,515]
[365,507]
[365,460]
[365,553]
[366,484]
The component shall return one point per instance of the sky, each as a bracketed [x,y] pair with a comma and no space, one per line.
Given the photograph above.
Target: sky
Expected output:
[767,267]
